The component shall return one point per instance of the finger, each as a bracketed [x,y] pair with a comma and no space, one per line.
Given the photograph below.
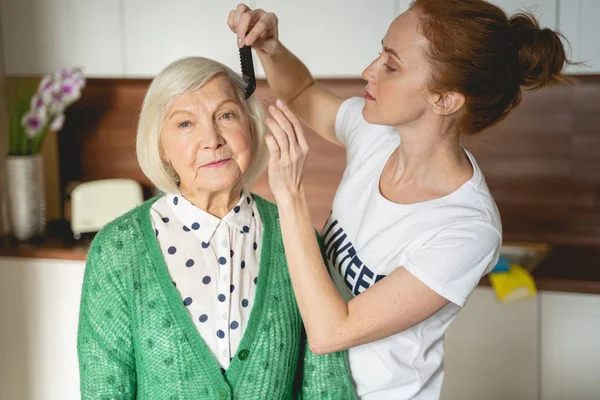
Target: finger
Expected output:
[274,151]
[280,136]
[240,10]
[230,21]
[264,24]
[243,26]
[299,131]
[266,34]
[285,125]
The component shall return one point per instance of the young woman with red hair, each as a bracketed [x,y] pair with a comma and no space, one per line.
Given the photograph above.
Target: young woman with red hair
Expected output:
[413,226]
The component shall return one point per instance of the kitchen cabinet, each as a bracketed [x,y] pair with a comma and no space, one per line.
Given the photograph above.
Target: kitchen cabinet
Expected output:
[40,36]
[137,38]
[401,6]
[158,33]
[335,38]
[578,22]
[543,347]
[39,306]
[570,349]
[491,350]
[544,10]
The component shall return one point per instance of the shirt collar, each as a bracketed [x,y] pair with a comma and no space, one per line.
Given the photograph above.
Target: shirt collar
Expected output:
[204,224]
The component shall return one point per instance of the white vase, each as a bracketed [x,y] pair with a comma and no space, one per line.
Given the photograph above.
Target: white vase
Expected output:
[26,195]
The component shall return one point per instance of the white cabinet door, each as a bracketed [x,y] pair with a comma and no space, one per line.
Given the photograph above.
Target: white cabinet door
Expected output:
[159,32]
[570,346]
[40,36]
[402,5]
[39,307]
[544,10]
[492,350]
[578,21]
[334,38]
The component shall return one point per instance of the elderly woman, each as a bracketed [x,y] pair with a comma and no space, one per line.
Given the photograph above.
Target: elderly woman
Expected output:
[188,296]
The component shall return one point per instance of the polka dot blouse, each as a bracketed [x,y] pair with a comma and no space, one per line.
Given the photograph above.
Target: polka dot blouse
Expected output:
[213,264]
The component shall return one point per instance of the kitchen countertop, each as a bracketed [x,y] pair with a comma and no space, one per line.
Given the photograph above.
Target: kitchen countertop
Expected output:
[57,243]
[574,269]
[48,247]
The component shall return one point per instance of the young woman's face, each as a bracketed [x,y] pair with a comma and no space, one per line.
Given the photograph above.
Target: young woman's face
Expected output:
[396,80]
[205,137]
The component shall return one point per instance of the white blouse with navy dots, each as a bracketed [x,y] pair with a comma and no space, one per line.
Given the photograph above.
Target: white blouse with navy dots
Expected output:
[214,264]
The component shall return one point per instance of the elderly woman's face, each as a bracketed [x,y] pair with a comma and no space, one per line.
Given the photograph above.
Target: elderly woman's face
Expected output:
[205,137]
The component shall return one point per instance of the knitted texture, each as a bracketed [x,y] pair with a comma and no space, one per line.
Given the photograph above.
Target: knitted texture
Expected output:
[136,339]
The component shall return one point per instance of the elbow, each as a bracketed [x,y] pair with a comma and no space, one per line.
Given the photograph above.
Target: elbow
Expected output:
[324,345]
[317,348]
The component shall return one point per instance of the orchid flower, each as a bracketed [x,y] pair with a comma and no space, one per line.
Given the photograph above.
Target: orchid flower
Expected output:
[56,92]
[36,113]
[34,121]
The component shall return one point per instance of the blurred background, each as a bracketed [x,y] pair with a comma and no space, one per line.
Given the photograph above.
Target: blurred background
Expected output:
[542,165]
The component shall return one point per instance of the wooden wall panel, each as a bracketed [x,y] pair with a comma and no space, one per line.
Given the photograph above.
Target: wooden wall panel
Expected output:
[542,163]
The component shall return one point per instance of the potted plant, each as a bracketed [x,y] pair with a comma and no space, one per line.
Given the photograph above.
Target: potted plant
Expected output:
[32,114]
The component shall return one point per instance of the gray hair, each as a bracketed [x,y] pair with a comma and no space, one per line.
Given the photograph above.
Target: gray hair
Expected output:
[179,78]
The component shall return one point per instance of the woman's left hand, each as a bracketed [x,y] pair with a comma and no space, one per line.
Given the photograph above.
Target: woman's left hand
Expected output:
[288,150]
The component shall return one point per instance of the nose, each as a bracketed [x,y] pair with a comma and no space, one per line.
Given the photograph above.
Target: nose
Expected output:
[210,137]
[369,73]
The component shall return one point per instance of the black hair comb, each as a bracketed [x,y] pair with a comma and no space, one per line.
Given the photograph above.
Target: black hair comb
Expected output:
[248,70]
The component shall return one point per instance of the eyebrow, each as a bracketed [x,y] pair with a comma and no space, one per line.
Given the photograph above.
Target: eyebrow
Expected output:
[179,112]
[391,51]
[225,101]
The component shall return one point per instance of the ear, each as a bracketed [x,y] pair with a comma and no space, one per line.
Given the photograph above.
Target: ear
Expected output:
[447,103]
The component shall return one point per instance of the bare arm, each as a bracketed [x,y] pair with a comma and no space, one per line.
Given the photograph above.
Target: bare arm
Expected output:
[392,305]
[287,76]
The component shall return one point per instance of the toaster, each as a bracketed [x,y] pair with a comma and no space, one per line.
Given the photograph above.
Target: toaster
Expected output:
[95,203]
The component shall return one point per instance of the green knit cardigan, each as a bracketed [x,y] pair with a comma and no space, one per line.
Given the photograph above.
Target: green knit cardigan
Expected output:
[136,339]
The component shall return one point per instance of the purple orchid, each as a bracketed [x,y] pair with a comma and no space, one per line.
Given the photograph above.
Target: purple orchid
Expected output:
[57,123]
[55,93]
[37,102]
[33,122]
[46,83]
[64,73]
[70,90]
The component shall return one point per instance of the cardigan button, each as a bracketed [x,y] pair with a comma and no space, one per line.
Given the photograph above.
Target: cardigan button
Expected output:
[243,354]
[223,394]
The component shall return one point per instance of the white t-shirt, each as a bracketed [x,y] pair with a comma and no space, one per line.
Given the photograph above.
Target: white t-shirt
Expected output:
[448,243]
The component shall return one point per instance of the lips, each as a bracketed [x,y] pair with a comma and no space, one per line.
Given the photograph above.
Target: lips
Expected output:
[368,96]
[217,163]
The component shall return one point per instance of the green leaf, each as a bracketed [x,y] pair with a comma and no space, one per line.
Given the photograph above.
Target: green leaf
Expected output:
[18,102]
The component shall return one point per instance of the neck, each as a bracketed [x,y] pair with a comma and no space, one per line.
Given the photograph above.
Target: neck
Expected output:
[428,157]
[218,203]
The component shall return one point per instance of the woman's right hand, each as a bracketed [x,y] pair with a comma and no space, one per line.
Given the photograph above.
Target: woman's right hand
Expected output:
[256,28]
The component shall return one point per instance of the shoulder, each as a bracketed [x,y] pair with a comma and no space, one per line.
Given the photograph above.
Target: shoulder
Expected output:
[349,117]
[122,234]
[475,232]
[352,105]
[267,208]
